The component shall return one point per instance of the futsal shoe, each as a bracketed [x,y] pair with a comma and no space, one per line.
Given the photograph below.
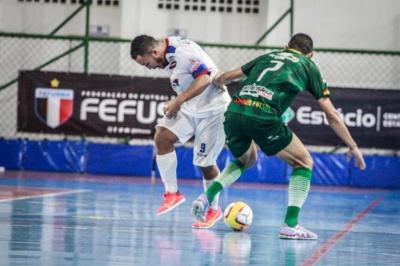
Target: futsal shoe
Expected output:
[200,207]
[297,232]
[212,217]
[170,202]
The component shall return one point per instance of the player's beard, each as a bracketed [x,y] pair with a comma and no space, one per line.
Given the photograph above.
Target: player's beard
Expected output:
[162,62]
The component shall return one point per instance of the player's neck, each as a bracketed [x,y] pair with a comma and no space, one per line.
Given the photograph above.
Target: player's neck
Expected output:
[295,51]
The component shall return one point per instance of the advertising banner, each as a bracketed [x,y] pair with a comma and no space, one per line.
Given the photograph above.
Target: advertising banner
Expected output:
[372,117]
[121,106]
[91,105]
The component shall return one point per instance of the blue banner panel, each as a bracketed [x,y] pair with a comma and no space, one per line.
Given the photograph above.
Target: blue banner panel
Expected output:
[185,168]
[330,169]
[11,153]
[57,156]
[381,172]
[114,159]
[266,170]
[119,159]
[224,158]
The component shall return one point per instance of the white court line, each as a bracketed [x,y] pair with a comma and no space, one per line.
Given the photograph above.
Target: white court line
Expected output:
[46,195]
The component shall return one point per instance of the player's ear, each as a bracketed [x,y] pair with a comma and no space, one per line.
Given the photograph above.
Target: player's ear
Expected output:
[155,52]
[310,54]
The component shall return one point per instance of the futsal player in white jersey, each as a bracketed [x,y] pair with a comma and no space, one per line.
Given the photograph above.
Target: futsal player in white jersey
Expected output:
[198,111]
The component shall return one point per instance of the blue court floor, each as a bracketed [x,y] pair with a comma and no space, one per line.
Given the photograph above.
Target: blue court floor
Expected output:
[68,219]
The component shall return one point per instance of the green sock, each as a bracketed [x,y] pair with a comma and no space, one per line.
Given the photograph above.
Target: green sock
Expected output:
[213,190]
[299,187]
[228,176]
[292,213]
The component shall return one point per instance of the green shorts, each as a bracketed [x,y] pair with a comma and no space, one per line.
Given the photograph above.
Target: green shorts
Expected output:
[271,136]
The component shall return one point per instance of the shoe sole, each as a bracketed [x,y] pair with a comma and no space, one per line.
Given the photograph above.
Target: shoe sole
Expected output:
[295,237]
[210,225]
[173,207]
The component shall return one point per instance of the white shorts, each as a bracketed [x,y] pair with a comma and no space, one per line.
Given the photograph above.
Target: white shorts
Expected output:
[209,135]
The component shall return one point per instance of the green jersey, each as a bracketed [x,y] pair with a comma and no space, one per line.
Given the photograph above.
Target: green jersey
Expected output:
[273,81]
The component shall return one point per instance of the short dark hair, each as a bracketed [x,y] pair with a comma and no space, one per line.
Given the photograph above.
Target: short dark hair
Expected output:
[142,45]
[301,42]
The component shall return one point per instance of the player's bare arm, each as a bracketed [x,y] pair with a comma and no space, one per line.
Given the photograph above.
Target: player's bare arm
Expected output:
[337,124]
[197,87]
[226,77]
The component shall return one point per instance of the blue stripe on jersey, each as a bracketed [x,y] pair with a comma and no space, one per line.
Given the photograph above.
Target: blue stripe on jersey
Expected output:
[201,69]
[171,49]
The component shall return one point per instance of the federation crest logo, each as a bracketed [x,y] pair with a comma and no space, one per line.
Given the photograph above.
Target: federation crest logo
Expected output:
[53,107]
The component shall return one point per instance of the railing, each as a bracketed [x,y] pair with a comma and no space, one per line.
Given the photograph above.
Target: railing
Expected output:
[344,68]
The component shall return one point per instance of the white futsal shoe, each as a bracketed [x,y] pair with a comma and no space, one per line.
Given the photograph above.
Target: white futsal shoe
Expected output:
[297,232]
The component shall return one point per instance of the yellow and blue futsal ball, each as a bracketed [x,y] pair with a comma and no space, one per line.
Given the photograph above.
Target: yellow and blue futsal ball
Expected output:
[238,216]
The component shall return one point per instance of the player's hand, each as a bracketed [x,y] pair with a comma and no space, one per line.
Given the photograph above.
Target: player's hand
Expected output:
[223,87]
[359,159]
[219,81]
[172,107]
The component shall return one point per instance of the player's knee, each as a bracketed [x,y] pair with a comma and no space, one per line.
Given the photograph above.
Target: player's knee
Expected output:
[164,142]
[251,160]
[253,156]
[308,162]
[304,161]
[210,172]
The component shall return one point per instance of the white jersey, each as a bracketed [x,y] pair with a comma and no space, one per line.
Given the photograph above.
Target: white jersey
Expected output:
[186,61]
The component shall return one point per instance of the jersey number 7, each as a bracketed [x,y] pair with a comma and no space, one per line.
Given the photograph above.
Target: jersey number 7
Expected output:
[277,66]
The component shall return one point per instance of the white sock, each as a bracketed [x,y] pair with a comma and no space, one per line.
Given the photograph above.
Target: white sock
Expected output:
[167,166]
[206,184]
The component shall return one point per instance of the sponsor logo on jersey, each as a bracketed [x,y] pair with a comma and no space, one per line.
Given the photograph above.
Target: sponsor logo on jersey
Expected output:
[252,103]
[52,106]
[256,91]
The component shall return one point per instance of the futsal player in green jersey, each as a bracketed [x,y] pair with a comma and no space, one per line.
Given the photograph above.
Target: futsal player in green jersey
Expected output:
[255,117]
